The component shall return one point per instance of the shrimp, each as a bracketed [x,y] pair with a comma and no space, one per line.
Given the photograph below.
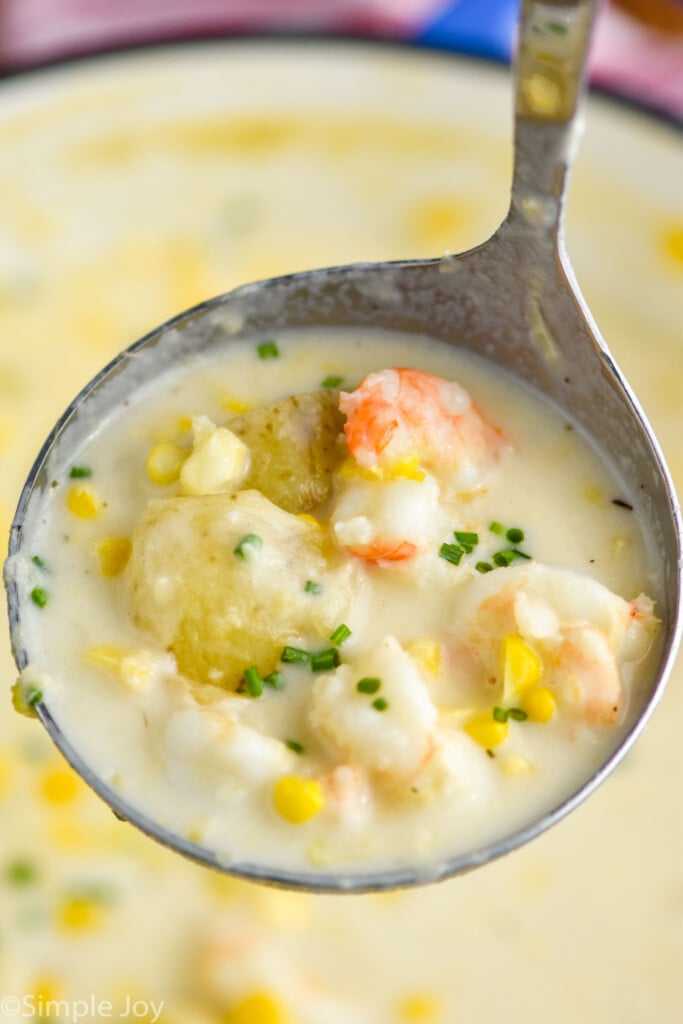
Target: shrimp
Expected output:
[404,414]
[581,632]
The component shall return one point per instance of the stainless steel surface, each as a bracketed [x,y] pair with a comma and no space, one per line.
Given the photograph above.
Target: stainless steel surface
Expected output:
[513,300]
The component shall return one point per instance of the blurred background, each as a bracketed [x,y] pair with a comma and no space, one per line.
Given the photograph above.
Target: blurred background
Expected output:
[134,186]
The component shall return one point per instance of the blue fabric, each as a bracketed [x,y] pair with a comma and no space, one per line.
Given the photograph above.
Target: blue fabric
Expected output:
[482,27]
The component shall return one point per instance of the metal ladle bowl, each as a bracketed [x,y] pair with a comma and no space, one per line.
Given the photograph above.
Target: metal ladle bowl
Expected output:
[514,301]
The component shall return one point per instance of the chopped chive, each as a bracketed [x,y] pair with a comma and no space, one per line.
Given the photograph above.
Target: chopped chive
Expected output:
[495,527]
[468,540]
[40,596]
[483,567]
[275,680]
[333,381]
[253,681]
[500,715]
[451,553]
[37,560]
[518,714]
[340,634]
[313,588]
[296,747]
[80,472]
[268,350]
[368,685]
[521,554]
[295,656]
[33,697]
[249,541]
[380,704]
[557,27]
[504,557]
[515,535]
[321,661]
[22,872]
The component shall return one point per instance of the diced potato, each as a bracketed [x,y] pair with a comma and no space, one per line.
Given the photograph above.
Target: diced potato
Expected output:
[294,448]
[204,589]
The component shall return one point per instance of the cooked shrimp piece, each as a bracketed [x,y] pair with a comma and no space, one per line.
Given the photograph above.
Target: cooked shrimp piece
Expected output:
[387,522]
[401,414]
[387,725]
[570,631]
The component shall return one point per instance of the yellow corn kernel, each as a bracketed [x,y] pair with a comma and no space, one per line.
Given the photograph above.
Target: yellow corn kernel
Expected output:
[164,463]
[297,799]
[420,1008]
[59,786]
[486,731]
[19,700]
[311,520]
[236,405]
[258,1008]
[520,667]
[408,467]
[514,765]
[427,652]
[540,705]
[114,554]
[184,424]
[83,502]
[80,913]
[105,657]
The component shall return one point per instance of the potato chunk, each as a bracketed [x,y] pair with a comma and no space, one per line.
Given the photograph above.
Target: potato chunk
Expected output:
[219,610]
[294,448]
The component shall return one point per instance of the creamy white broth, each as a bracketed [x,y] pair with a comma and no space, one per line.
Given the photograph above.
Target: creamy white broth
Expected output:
[145,744]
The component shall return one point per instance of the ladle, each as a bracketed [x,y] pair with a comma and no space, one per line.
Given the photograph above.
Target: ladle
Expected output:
[513,300]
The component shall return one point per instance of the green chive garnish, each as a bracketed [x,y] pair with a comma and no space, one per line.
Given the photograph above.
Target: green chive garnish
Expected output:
[37,560]
[515,535]
[295,656]
[368,685]
[495,527]
[313,588]
[505,557]
[518,714]
[557,27]
[22,872]
[451,553]
[340,634]
[322,661]
[483,567]
[249,543]
[40,596]
[253,681]
[333,381]
[33,697]
[468,541]
[296,747]
[80,472]
[380,704]
[275,680]
[521,554]
[500,715]
[268,350]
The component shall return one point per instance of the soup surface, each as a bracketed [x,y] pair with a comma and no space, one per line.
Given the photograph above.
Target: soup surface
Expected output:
[296,599]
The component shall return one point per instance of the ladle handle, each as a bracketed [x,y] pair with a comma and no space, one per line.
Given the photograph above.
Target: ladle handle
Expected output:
[550,71]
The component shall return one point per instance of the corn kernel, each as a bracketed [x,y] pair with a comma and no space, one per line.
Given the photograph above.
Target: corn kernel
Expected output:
[311,520]
[486,731]
[427,652]
[420,1008]
[297,799]
[520,667]
[540,705]
[80,913]
[259,1008]
[114,554]
[164,463]
[59,786]
[408,467]
[236,405]
[514,766]
[83,502]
